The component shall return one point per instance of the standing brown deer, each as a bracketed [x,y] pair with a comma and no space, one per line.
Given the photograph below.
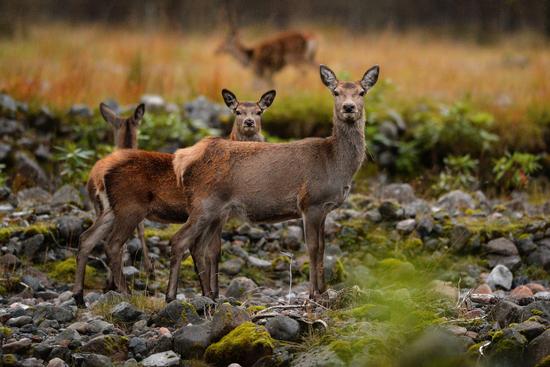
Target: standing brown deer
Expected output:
[270,182]
[130,185]
[271,55]
[125,130]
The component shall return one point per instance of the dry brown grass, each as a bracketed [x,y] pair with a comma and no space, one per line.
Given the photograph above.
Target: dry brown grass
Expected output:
[61,65]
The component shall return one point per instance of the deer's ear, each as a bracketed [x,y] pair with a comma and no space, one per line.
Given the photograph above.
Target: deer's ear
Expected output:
[328,77]
[109,115]
[370,77]
[138,113]
[230,99]
[267,99]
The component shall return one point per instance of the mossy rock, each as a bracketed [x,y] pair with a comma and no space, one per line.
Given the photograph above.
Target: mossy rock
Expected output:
[545,362]
[245,345]
[9,360]
[226,318]
[47,229]
[506,348]
[176,314]
[396,267]
[64,271]
[113,346]
[5,332]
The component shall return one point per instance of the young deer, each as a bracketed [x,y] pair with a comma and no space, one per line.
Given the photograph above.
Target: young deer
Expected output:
[126,138]
[272,182]
[128,186]
[271,55]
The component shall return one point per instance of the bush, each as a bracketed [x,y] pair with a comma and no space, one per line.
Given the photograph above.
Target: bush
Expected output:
[513,171]
[458,174]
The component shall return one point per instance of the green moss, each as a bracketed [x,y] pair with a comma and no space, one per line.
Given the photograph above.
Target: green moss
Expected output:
[254,309]
[9,360]
[47,229]
[187,271]
[5,331]
[369,312]
[497,335]
[164,234]
[396,267]
[280,262]
[64,271]
[245,344]
[537,312]
[346,350]
[544,362]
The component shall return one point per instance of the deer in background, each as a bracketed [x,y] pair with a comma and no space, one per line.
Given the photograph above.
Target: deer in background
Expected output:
[270,56]
[125,130]
[131,185]
[268,182]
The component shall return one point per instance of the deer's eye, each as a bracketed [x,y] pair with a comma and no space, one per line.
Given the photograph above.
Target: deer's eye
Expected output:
[362,93]
[259,113]
[336,94]
[238,113]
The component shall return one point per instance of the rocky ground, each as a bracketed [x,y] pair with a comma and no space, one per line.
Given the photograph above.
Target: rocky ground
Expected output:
[455,281]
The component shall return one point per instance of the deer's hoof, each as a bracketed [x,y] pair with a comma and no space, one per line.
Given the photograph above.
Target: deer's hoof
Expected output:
[79,299]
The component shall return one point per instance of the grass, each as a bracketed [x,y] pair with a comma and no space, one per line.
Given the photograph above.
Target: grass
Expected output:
[61,65]
[143,303]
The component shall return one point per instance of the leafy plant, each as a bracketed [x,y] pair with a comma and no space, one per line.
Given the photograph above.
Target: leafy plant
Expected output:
[459,173]
[3,177]
[75,162]
[512,171]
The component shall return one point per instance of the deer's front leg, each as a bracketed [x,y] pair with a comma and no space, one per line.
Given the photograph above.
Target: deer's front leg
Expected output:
[321,258]
[312,227]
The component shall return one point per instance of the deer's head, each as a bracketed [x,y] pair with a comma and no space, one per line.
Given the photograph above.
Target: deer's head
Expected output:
[125,127]
[248,115]
[348,96]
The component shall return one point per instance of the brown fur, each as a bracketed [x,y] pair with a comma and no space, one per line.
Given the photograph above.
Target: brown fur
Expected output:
[271,55]
[273,182]
[128,186]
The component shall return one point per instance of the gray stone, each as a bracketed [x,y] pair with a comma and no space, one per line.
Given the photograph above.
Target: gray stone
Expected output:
[18,346]
[31,362]
[425,226]
[164,359]
[459,237]
[19,321]
[259,263]
[225,319]
[57,362]
[500,246]
[538,349]
[33,246]
[239,287]
[192,340]
[33,197]
[67,194]
[5,150]
[406,226]
[153,102]
[500,277]
[176,313]
[316,357]
[530,329]
[511,262]
[526,245]
[91,360]
[373,215]
[207,112]
[114,346]
[506,349]
[390,210]
[130,271]
[69,227]
[292,238]
[30,171]
[202,303]
[138,346]
[456,200]
[80,110]
[232,266]
[283,328]
[61,314]
[402,193]
[505,312]
[540,257]
[7,104]
[10,127]
[125,312]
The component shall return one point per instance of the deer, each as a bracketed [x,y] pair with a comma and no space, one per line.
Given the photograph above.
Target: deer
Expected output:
[131,185]
[271,182]
[272,55]
[125,137]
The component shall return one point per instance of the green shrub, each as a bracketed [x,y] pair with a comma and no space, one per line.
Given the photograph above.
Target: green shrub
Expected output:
[458,174]
[513,171]
[75,162]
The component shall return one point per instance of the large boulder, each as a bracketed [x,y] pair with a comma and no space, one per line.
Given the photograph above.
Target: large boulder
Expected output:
[175,314]
[538,350]
[240,287]
[455,201]
[500,277]
[506,348]
[506,312]
[29,171]
[192,340]
[114,346]
[227,318]
[283,328]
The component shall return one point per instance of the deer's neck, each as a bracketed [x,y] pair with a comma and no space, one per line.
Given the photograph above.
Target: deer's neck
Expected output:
[348,139]
[126,139]
[242,53]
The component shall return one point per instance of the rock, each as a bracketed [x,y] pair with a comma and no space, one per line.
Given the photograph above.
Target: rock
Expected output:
[129,271]
[402,193]
[542,296]
[425,226]
[283,328]
[30,171]
[153,102]
[80,110]
[406,226]
[19,321]
[529,329]
[7,104]
[33,246]
[506,312]
[456,200]
[511,262]
[9,262]
[540,257]
[10,127]
[245,345]
[57,362]
[501,277]
[232,266]
[61,314]
[5,150]
[318,356]
[91,360]
[239,287]
[535,287]
[373,215]
[192,340]
[111,345]
[483,289]
[176,314]
[18,346]
[125,312]
[202,303]
[207,112]
[164,359]
[292,238]
[459,237]
[67,194]
[526,245]
[521,292]
[259,263]
[69,228]
[31,362]
[33,197]
[500,246]
[506,348]
[334,269]
[390,210]
[227,318]
[538,308]
[138,346]
[538,350]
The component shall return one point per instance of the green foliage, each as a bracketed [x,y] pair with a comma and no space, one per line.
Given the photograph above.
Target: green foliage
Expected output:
[64,271]
[75,162]
[513,171]
[459,173]
[3,177]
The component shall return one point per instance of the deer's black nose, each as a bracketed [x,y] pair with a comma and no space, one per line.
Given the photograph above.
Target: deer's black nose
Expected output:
[349,107]
[249,122]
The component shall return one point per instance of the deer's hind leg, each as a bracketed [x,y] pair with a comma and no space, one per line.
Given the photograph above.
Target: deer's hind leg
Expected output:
[313,218]
[147,263]
[101,227]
